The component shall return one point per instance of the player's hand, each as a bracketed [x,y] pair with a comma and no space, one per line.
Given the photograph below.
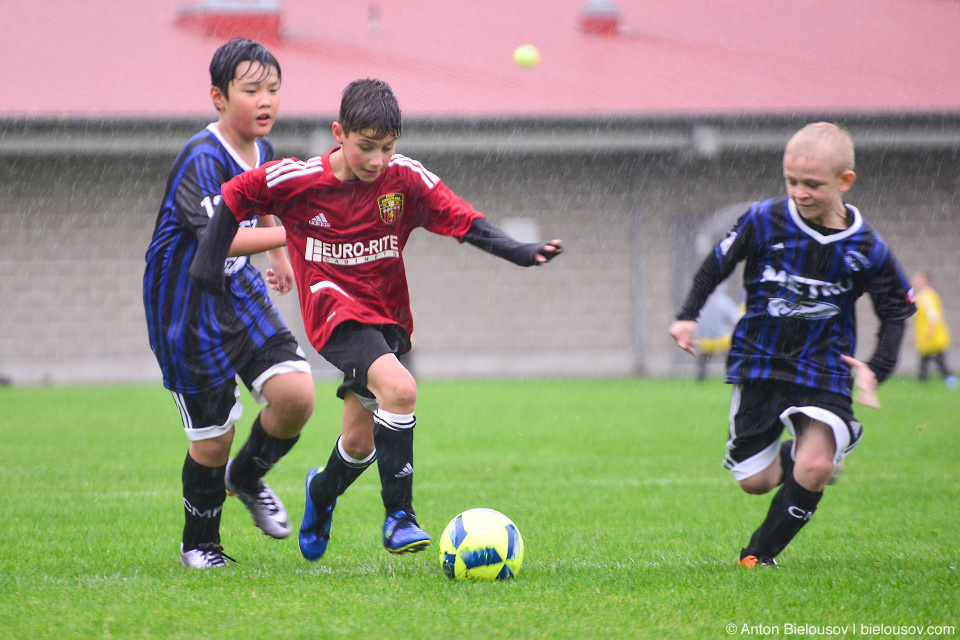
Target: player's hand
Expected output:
[549,251]
[281,283]
[682,331]
[865,382]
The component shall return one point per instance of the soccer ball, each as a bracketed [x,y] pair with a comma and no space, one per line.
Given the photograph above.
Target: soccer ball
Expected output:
[481,544]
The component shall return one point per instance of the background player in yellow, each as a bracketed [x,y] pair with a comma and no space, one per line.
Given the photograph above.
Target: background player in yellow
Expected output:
[930,327]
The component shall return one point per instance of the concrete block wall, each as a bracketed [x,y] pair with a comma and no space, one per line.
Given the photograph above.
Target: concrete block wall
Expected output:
[73,231]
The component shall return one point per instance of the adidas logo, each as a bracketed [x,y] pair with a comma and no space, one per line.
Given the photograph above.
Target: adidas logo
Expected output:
[319,220]
[406,471]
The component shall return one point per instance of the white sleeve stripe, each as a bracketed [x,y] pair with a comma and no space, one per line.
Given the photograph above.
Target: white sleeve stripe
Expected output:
[429,179]
[285,165]
[272,182]
[287,169]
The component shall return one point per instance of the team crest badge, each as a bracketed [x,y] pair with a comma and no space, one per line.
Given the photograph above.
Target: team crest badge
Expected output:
[391,206]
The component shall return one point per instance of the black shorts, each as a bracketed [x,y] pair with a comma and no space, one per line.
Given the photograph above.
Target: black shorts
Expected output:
[353,347]
[211,412]
[761,410]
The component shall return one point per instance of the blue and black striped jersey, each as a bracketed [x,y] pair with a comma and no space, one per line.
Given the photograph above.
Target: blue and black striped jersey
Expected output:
[201,340]
[802,282]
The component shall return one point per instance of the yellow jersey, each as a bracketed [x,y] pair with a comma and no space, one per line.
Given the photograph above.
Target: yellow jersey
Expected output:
[932,333]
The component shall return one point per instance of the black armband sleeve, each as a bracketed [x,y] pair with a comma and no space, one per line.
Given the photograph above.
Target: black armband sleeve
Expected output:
[884,359]
[489,238]
[206,269]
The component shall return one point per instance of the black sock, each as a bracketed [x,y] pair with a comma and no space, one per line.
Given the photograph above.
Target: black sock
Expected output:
[203,497]
[257,456]
[786,460]
[393,436]
[336,477]
[790,509]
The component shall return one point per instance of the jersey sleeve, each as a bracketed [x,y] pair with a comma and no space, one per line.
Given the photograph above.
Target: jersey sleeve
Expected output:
[445,213]
[197,192]
[888,287]
[247,195]
[890,293]
[719,264]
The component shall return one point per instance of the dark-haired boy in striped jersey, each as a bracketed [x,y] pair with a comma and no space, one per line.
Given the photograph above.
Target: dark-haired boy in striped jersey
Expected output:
[204,342]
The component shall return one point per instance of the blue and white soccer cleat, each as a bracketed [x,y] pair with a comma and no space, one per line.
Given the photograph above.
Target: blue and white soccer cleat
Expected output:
[401,534]
[315,530]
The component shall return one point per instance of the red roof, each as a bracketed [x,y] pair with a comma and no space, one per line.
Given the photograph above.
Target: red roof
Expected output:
[103,58]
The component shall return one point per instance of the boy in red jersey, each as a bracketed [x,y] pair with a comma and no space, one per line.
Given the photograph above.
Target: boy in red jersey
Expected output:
[348,215]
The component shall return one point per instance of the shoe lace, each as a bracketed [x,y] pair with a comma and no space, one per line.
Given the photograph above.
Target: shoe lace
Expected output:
[214,554]
[404,520]
[267,499]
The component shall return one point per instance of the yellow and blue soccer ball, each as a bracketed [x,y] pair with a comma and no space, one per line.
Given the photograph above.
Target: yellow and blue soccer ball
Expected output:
[481,544]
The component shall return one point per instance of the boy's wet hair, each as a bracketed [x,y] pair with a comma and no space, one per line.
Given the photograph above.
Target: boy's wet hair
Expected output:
[223,66]
[370,104]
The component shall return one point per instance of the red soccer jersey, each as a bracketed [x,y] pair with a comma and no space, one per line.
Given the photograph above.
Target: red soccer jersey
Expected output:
[346,239]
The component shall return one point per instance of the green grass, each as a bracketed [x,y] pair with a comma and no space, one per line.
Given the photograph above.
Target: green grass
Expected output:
[630,524]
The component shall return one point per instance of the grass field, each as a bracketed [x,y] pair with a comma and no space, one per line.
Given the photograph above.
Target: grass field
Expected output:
[630,524]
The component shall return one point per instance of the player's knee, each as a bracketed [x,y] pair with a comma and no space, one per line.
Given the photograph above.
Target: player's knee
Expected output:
[212,452]
[294,400]
[399,395]
[817,470]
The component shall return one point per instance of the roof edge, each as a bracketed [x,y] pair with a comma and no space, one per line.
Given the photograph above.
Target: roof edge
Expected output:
[702,135]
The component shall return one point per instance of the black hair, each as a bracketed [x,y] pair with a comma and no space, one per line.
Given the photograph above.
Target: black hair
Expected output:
[223,66]
[370,104]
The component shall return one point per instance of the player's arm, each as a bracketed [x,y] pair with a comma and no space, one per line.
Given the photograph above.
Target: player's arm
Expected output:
[684,328]
[888,290]
[484,235]
[266,236]
[868,375]
[242,198]
[713,270]
[280,276]
[206,269]
[865,382]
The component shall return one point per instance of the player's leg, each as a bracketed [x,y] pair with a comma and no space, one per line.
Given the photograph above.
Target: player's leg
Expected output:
[924,364]
[354,348]
[796,501]
[949,378]
[940,360]
[702,359]
[754,451]
[825,432]
[352,453]
[280,376]
[394,423]
[816,455]
[208,421]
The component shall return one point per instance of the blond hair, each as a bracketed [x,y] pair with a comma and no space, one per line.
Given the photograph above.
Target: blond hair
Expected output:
[824,138]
